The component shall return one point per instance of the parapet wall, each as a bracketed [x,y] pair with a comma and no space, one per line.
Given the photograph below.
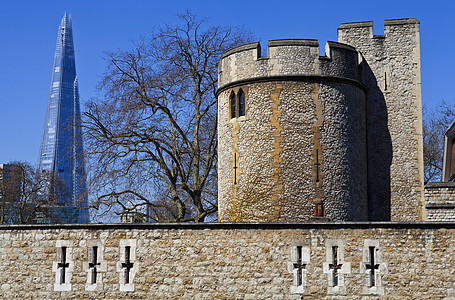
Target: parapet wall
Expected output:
[297,57]
[365,28]
[229,261]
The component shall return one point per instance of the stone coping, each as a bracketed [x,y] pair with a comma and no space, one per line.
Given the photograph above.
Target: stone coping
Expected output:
[440,205]
[293,42]
[434,185]
[303,77]
[386,23]
[401,21]
[356,24]
[244,47]
[235,226]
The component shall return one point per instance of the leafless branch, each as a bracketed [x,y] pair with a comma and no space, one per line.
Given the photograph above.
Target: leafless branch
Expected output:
[152,138]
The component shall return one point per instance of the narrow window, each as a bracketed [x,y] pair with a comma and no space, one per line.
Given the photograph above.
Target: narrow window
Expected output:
[335,266]
[127,265]
[372,266]
[235,168]
[232,100]
[241,96]
[385,81]
[63,265]
[93,265]
[299,266]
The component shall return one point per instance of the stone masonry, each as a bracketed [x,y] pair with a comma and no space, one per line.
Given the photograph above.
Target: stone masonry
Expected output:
[391,68]
[233,261]
[440,201]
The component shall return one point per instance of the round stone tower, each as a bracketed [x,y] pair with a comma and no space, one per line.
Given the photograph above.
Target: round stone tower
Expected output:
[292,133]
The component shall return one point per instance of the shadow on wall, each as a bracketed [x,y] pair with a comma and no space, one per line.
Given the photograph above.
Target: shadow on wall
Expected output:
[379,147]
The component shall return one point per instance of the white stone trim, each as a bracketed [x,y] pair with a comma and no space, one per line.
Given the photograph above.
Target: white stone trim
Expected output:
[127,287]
[302,288]
[377,289]
[102,268]
[340,289]
[66,286]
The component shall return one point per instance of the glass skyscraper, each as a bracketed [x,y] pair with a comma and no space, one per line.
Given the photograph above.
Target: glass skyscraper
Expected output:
[61,147]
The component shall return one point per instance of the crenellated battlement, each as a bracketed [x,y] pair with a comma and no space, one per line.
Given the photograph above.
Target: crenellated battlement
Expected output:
[364,30]
[288,57]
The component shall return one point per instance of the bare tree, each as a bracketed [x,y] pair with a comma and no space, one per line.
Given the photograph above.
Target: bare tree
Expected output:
[152,138]
[25,194]
[435,124]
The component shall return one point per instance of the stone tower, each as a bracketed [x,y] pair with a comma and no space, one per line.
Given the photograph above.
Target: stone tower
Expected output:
[338,135]
[302,138]
[391,67]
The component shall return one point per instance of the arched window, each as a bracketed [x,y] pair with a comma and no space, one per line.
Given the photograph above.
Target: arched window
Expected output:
[237,103]
[241,96]
[232,100]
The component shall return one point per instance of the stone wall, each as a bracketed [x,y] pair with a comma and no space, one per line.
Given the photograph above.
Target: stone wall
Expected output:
[440,201]
[303,136]
[229,261]
[391,71]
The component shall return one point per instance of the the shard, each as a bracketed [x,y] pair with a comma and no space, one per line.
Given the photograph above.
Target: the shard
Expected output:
[62,147]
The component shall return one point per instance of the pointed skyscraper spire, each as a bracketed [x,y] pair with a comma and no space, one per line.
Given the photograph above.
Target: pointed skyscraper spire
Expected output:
[61,147]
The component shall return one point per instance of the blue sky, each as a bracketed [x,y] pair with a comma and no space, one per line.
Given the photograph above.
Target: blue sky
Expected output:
[28,32]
